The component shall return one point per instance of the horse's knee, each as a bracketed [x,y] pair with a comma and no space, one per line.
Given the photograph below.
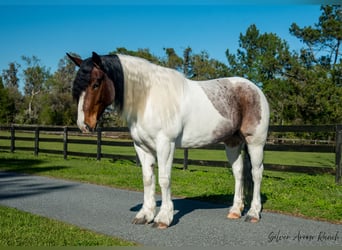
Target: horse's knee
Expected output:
[257,171]
[148,180]
[164,182]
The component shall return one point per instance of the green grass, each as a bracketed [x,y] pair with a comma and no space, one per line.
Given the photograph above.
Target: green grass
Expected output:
[313,196]
[24,229]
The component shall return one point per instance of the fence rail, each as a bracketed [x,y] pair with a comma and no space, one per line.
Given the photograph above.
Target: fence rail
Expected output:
[335,147]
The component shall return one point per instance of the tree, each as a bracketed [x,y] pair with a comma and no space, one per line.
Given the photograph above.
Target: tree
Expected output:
[187,61]
[4,111]
[58,106]
[35,77]
[323,41]
[264,59]
[10,77]
[13,96]
[204,68]
[261,57]
[318,71]
[173,60]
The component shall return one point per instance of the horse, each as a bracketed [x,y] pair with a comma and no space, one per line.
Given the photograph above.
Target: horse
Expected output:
[164,110]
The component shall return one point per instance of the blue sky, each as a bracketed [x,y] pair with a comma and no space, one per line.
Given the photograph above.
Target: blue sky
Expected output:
[49,30]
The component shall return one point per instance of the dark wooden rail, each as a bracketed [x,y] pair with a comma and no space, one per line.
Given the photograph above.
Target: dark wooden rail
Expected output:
[335,130]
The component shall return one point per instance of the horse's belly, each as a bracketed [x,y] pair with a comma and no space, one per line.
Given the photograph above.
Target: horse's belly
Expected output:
[201,132]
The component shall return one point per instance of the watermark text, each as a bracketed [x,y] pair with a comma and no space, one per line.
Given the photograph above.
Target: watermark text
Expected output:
[300,236]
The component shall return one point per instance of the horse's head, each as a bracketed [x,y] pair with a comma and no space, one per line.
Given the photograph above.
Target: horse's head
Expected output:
[93,89]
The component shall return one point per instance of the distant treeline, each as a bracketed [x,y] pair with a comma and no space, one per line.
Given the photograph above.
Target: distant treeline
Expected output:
[303,87]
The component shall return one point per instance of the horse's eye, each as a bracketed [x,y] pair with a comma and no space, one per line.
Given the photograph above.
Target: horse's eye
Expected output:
[96,85]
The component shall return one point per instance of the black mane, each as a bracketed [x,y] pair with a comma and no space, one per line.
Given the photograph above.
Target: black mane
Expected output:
[82,78]
[112,67]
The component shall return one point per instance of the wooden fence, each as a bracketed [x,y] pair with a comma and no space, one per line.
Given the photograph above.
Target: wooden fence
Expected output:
[334,130]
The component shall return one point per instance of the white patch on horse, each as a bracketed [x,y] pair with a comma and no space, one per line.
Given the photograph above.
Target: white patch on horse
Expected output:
[199,118]
[80,113]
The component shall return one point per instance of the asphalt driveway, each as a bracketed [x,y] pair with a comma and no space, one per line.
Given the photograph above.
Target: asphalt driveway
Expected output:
[110,211]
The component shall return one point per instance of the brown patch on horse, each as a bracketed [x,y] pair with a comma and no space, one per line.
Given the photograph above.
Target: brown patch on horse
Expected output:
[250,108]
[222,95]
[239,103]
[98,95]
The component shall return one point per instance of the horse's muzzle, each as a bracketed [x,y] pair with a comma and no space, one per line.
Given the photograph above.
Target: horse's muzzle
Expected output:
[86,128]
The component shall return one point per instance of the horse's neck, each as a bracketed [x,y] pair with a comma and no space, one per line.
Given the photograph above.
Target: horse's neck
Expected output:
[135,90]
[146,83]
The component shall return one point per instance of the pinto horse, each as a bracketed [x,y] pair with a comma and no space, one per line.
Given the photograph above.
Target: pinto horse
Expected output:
[165,110]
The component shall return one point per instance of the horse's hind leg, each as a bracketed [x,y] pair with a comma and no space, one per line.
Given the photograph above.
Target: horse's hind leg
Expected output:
[256,155]
[235,159]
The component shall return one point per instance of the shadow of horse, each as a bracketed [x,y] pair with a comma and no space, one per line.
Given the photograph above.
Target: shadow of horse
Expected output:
[15,185]
[184,206]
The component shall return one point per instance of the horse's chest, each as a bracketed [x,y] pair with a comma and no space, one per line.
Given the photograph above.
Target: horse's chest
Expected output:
[143,138]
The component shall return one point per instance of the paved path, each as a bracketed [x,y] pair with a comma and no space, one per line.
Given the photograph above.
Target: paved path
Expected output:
[110,211]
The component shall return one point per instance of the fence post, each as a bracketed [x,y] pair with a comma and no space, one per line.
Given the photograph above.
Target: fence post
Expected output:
[65,142]
[338,156]
[99,135]
[137,160]
[12,139]
[36,141]
[186,157]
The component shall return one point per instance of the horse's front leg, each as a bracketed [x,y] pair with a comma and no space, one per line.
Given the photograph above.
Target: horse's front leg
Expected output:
[148,210]
[165,152]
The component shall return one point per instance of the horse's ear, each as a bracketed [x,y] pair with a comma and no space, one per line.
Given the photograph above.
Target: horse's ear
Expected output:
[97,61]
[78,61]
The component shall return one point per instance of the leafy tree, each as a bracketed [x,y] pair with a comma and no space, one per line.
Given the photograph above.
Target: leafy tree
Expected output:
[265,59]
[202,67]
[318,71]
[4,111]
[187,61]
[10,75]
[14,98]
[35,77]
[323,41]
[261,57]
[58,106]
[173,60]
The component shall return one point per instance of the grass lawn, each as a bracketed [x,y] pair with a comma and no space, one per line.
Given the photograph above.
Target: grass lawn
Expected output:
[24,229]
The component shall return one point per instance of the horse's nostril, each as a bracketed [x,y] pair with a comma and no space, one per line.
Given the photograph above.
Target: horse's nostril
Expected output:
[87,127]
